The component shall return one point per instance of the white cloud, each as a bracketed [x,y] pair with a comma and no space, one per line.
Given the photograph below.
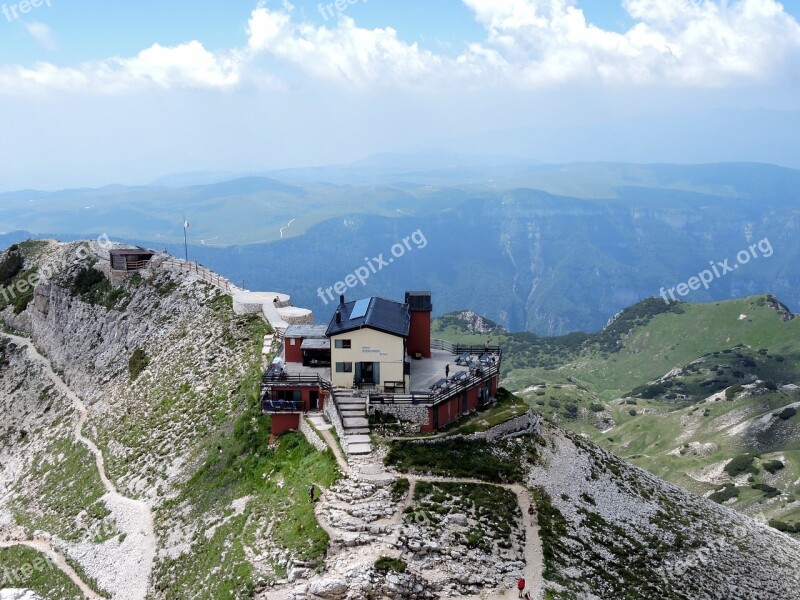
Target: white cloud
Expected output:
[42,34]
[344,53]
[674,42]
[529,44]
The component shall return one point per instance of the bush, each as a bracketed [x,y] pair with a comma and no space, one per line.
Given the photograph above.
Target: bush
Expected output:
[385,565]
[11,266]
[769,491]
[773,466]
[137,363]
[741,464]
[725,493]
[399,489]
[731,392]
[785,527]
[787,413]
[632,412]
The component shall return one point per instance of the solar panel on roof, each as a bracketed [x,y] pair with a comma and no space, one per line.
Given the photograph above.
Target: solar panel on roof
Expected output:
[360,309]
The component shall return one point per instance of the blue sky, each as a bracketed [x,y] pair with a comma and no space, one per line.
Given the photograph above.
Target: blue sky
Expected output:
[127,92]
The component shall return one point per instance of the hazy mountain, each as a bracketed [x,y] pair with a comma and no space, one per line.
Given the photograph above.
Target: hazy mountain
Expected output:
[548,249]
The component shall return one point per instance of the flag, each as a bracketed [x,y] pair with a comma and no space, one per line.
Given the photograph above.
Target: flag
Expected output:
[186,224]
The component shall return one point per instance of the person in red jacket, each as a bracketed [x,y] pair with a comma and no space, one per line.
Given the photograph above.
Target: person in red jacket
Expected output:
[521,585]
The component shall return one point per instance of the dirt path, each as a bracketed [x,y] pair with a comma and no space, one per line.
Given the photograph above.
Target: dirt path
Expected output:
[59,561]
[136,515]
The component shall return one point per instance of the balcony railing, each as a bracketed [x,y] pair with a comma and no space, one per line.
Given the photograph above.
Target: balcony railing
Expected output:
[280,406]
[450,388]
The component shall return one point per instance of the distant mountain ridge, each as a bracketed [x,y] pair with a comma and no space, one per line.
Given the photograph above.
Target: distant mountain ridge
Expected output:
[543,248]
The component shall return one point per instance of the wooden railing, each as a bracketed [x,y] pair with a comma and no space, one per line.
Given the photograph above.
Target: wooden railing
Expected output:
[200,271]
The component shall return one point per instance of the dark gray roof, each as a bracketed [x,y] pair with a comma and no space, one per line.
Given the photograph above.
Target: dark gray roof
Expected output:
[316,344]
[384,315]
[306,331]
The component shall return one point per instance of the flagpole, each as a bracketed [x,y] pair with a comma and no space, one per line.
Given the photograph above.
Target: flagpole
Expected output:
[185,244]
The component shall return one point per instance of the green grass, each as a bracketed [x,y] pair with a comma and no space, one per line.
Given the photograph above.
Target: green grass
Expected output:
[26,568]
[63,484]
[461,458]
[585,384]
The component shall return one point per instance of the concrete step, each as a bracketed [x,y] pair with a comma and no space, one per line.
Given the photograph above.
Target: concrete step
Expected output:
[359,449]
[353,422]
[351,402]
[346,414]
[357,439]
[348,431]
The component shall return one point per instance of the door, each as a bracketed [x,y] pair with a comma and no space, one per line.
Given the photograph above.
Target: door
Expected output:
[370,373]
[464,403]
[313,400]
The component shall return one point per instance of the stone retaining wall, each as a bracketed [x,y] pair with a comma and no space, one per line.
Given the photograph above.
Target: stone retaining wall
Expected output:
[311,435]
[418,415]
[333,417]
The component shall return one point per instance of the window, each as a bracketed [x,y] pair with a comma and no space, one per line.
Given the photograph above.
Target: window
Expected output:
[344,344]
[292,342]
[344,367]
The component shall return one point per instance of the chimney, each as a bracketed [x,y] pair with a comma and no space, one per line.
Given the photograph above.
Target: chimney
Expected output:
[341,300]
[419,331]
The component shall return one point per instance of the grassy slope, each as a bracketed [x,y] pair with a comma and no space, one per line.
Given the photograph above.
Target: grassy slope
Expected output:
[26,568]
[578,381]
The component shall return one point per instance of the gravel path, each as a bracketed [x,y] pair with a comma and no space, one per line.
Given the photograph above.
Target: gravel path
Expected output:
[129,576]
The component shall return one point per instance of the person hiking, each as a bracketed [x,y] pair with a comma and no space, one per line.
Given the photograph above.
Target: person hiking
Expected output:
[531,512]
[447,370]
[521,585]
[311,493]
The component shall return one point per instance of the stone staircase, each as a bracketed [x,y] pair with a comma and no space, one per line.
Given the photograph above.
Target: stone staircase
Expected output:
[355,423]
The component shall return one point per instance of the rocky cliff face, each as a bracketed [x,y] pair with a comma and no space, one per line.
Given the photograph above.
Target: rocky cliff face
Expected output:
[157,361]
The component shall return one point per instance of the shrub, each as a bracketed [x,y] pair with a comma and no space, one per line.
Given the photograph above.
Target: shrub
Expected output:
[787,413]
[785,527]
[773,466]
[137,363]
[632,412]
[399,488]
[731,392]
[726,492]
[771,385]
[741,464]
[11,266]
[385,564]
[769,491]
[596,408]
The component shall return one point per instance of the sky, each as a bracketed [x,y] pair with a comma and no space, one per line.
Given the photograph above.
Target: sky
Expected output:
[96,93]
